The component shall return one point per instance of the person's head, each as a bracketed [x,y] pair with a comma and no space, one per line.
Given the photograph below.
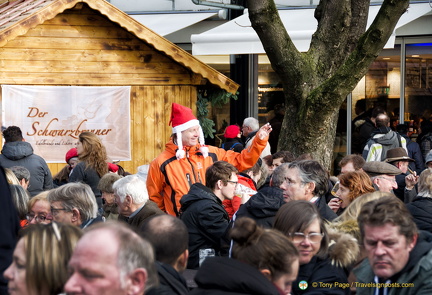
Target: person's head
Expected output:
[221,178]
[12,134]
[301,222]
[428,160]
[353,185]
[250,125]
[105,185]
[39,264]
[382,120]
[425,183]
[267,250]
[73,203]
[305,180]
[279,175]
[402,129]
[20,199]
[39,209]
[130,194]
[72,157]
[255,172]
[352,162]
[186,130]
[169,237]
[360,106]
[281,157]
[388,233]
[91,151]
[376,111]
[399,158]
[267,163]
[232,131]
[383,175]
[22,174]
[125,267]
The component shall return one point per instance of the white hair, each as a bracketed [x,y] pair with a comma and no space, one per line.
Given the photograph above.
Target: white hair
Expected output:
[252,123]
[133,186]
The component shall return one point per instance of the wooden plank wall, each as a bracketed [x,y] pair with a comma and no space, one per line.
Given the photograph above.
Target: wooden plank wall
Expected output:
[82,47]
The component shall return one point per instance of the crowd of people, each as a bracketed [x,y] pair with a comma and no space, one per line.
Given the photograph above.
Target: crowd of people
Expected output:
[208,220]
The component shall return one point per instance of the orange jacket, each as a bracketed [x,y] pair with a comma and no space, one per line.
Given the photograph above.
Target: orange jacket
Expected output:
[169,179]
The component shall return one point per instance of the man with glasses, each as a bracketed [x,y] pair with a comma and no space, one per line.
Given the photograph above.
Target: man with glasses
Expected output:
[203,213]
[74,203]
[249,129]
[383,175]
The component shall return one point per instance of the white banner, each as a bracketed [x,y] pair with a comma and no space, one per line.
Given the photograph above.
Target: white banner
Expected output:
[52,117]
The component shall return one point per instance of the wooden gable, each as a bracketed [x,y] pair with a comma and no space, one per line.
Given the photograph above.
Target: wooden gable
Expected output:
[92,43]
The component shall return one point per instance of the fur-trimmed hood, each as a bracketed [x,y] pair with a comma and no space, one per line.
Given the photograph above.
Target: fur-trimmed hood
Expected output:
[343,249]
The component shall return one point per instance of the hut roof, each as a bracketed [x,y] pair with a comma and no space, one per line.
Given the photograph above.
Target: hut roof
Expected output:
[19,16]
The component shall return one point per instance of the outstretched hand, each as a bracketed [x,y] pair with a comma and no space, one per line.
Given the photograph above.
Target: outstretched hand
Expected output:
[264,131]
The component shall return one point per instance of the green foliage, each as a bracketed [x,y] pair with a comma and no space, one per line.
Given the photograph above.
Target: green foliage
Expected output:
[216,97]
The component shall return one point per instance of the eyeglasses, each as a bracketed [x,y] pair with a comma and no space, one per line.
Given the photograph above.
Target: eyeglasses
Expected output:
[388,179]
[38,218]
[233,182]
[300,237]
[55,211]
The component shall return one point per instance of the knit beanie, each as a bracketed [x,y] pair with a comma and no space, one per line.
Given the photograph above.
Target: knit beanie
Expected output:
[232,131]
[182,119]
[428,157]
[72,153]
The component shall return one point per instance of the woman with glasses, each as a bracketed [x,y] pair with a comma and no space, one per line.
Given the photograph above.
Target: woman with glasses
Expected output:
[301,222]
[39,263]
[39,209]
[351,186]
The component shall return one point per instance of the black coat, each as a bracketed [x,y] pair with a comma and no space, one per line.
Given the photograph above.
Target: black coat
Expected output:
[234,144]
[9,227]
[222,275]
[324,209]
[263,206]
[170,281]
[206,220]
[318,271]
[421,210]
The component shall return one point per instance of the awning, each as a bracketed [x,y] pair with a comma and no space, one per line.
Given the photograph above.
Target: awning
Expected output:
[167,23]
[238,37]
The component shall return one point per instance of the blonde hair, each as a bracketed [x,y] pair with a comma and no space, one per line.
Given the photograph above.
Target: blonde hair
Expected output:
[425,184]
[94,154]
[48,248]
[42,196]
[11,177]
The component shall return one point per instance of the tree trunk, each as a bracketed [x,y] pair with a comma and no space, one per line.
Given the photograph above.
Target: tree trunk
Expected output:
[316,82]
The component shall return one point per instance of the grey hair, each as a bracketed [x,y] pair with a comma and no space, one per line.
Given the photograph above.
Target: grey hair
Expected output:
[312,171]
[133,186]
[279,174]
[252,123]
[76,195]
[425,184]
[21,172]
[20,198]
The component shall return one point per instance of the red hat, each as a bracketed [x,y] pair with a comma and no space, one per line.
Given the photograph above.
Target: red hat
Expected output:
[232,131]
[182,118]
[72,153]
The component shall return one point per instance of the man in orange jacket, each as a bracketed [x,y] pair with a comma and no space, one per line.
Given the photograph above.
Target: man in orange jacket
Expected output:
[186,158]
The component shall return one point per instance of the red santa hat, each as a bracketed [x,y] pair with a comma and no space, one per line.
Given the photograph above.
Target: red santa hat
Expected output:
[182,118]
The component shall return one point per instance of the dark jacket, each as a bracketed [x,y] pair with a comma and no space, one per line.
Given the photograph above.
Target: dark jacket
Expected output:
[9,227]
[421,211]
[150,208]
[324,209]
[20,153]
[170,281]
[319,271]
[88,176]
[206,220]
[263,206]
[415,153]
[234,144]
[87,223]
[222,275]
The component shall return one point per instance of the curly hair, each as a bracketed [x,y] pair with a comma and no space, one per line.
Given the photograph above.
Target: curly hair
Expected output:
[94,155]
[358,183]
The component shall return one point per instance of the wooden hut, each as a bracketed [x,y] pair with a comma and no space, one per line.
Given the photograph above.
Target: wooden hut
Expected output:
[92,43]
